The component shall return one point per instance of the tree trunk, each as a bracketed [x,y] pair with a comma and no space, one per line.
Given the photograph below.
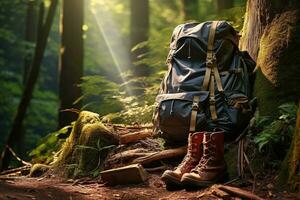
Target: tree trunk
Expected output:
[30,35]
[190,9]
[71,58]
[271,36]
[139,26]
[223,4]
[294,159]
[17,125]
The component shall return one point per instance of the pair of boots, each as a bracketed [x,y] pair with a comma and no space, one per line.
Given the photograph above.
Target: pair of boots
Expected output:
[203,164]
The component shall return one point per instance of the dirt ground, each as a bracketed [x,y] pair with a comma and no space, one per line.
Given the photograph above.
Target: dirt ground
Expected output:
[23,188]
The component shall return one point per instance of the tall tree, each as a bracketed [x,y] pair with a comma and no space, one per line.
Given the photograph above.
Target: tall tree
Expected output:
[223,4]
[17,124]
[71,58]
[139,26]
[271,34]
[190,9]
[30,35]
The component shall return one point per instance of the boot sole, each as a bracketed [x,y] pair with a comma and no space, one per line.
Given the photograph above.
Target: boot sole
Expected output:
[190,183]
[172,183]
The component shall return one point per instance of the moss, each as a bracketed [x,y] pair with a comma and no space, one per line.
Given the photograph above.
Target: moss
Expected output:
[289,173]
[231,161]
[81,154]
[278,61]
[38,170]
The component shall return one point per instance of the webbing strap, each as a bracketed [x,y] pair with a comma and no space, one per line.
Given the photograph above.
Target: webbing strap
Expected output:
[210,57]
[212,72]
[195,108]
[212,100]
[218,79]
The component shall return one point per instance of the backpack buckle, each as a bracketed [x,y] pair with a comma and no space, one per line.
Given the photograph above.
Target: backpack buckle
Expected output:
[210,60]
[212,100]
[195,106]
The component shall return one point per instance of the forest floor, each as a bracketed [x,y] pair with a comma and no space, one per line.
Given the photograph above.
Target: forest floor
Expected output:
[24,188]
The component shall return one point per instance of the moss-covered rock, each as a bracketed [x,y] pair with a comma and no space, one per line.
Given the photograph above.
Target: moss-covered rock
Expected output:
[82,153]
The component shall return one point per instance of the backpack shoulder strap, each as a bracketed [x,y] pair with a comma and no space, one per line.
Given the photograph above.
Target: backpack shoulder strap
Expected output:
[212,72]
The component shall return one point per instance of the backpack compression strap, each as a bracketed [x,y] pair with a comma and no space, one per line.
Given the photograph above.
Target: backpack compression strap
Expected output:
[212,72]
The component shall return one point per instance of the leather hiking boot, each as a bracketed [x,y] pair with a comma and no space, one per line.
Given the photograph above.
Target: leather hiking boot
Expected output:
[191,159]
[212,166]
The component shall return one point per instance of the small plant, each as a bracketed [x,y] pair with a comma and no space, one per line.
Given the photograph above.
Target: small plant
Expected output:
[274,135]
[46,148]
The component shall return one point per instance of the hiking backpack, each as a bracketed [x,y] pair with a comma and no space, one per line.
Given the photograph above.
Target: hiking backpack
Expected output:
[207,84]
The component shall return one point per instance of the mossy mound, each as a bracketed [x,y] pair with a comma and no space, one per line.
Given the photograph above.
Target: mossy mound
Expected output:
[82,153]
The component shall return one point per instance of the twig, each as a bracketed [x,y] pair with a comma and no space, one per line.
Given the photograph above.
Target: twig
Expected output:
[239,192]
[17,157]
[249,164]
[74,110]
[232,181]
[10,171]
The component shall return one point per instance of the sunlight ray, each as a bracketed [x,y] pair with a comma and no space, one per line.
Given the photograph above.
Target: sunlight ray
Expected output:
[112,37]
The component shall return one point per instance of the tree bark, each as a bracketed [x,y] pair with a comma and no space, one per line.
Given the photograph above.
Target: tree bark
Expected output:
[30,35]
[190,9]
[294,159]
[17,125]
[71,58]
[139,26]
[271,36]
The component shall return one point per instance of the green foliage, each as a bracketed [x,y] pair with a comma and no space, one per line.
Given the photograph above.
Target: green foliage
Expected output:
[99,95]
[276,133]
[49,145]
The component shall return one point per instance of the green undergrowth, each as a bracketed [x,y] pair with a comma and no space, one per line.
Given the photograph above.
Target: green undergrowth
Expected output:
[270,138]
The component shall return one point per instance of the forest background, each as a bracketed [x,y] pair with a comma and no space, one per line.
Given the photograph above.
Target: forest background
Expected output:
[109,83]
[108,57]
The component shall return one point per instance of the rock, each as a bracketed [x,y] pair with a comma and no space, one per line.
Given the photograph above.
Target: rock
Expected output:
[124,175]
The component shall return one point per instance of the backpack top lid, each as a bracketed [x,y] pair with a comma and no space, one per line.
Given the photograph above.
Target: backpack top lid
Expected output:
[201,32]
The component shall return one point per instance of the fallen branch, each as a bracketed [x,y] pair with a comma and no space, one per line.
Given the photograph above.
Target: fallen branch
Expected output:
[169,153]
[17,157]
[238,192]
[135,136]
[220,193]
[127,155]
[121,126]
[10,171]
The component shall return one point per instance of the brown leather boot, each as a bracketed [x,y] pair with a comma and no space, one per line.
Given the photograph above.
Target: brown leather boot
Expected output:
[212,166]
[191,159]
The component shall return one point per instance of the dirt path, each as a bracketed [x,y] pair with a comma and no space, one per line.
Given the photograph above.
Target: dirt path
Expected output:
[57,189]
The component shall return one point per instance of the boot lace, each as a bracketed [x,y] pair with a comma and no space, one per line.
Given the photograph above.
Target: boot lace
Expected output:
[189,158]
[208,155]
